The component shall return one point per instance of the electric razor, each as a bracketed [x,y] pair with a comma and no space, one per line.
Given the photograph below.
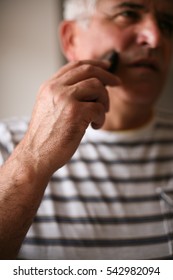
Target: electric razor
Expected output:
[113,58]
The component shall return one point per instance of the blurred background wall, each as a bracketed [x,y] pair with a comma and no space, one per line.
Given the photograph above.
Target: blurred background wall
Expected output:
[30,53]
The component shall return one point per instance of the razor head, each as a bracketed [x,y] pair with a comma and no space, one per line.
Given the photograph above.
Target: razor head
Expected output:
[113,58]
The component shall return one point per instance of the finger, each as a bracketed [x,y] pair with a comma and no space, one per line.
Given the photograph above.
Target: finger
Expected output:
[91,90]
[75,64]
[96,114]
[87,71]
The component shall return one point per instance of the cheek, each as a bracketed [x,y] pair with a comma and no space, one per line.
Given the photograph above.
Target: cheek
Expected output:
[99,39]
[107,40]
[120,39]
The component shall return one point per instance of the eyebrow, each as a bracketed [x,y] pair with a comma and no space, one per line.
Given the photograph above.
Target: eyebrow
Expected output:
[130,5]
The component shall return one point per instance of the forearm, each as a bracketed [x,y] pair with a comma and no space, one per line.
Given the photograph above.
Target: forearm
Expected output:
[66,104]
[21,189]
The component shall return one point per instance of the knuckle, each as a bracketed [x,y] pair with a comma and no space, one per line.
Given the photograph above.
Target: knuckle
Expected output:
[88,68]
[51,88]
[92,83]
[73,90]
[78,63]
[96,82]
[43,87]
[47,87]
[61,95]
[75,63]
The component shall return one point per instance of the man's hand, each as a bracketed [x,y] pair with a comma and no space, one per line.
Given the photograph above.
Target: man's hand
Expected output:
[75,97]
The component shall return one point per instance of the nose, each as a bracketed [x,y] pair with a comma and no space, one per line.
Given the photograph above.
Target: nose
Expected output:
[149,33]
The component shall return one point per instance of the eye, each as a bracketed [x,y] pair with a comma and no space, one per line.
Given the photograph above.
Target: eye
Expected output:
[130,15]
[166,27]
[126,16]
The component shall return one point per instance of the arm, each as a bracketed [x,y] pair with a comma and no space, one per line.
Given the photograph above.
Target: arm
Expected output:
[75,97]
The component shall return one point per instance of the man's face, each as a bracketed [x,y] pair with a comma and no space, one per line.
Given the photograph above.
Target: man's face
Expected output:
[141,32]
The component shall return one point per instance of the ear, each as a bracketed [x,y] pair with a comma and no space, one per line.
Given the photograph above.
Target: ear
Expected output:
[67,39]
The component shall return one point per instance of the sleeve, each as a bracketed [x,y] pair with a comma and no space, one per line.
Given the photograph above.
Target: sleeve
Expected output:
[6,145]
[11,133]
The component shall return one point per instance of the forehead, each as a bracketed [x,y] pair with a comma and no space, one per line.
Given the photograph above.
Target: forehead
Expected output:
[154,4]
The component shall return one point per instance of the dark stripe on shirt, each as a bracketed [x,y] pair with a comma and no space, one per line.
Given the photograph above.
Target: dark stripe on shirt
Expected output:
[130,144]
[134,180]
[165,126]
[122,161]
[98,242]
[95,199]
[101,220]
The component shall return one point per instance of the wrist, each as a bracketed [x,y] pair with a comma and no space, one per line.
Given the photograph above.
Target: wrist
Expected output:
[26,169]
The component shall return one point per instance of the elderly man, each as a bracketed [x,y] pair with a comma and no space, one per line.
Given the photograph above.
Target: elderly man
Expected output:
[91,175]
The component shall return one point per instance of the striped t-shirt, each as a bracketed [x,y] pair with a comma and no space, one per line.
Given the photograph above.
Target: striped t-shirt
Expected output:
[112,200]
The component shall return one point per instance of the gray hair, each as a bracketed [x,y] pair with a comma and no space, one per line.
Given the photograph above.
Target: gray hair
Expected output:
[76,9]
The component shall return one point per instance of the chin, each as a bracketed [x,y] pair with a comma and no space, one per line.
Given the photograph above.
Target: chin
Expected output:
[142,97]
[137,95]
